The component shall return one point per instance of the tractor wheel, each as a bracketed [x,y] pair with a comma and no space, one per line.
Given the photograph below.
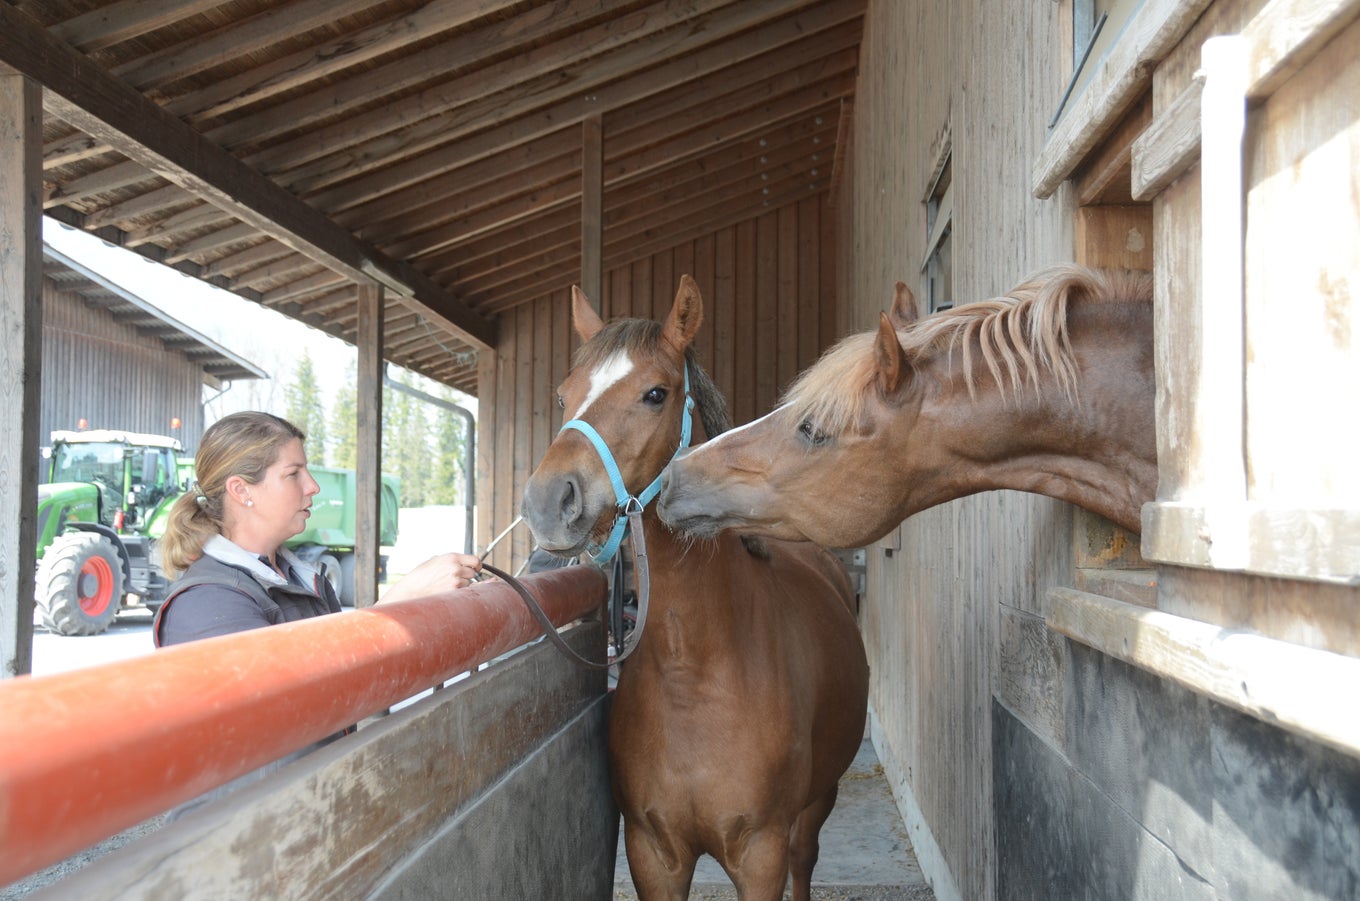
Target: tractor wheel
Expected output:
[80,584]
[331,567]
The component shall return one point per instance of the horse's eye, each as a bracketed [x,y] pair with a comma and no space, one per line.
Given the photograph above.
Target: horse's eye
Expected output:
[811,434]
[655,398]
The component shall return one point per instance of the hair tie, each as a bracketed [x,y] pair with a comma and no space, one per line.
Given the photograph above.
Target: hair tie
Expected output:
[199,496]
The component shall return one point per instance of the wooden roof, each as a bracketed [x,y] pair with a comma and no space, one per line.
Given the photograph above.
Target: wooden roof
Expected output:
[288,151]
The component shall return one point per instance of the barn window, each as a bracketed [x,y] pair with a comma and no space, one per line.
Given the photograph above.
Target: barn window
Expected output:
[938,267]
[1095,27]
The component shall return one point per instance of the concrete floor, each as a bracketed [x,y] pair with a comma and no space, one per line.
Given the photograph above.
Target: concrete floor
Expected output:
[865,856]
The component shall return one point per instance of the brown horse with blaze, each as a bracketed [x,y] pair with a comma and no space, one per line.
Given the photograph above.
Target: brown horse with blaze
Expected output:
[744,701]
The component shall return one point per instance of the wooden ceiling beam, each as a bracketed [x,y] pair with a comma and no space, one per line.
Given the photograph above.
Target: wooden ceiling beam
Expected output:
[562,148]
[153,201]
[486,219]
[322,279]
[118,22]
[435,145]
[200,215]
[649,162]
[233,265]
[102,181]
[234,40]
[438,208]
[113,112]
[712,98]
[71,148]
[780,69]
[277,268]
[222,237]
[408,71]
[624,249]
[746,177]
[295,70]
[794,108]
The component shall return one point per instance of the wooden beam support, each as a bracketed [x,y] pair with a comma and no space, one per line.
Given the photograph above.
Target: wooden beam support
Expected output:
[369,388]
[592,208]
[110,111]
[20,361]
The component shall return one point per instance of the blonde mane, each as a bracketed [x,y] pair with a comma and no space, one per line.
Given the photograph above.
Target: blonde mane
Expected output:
[1019,336]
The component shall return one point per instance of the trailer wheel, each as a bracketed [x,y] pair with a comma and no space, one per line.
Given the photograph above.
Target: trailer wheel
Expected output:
[80,584]
[331,567]
[347,579]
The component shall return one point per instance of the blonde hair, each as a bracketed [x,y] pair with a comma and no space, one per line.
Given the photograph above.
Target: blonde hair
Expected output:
[241,444]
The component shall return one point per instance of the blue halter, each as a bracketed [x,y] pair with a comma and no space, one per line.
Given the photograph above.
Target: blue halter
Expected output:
[627,503]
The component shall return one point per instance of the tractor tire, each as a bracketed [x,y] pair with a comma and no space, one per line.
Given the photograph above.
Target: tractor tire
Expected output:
[331,567]
[80,584]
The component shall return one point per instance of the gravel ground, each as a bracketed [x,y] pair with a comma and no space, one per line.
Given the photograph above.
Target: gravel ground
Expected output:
[61,869]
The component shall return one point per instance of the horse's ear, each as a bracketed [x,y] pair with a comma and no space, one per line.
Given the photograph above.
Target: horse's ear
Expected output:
[686,313]
[583,316]
[903,312]
[894,369]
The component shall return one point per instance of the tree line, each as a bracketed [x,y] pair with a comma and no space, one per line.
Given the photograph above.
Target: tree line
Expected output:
[422,444]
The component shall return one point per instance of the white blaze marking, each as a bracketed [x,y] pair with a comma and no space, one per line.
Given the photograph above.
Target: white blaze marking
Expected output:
[605,376]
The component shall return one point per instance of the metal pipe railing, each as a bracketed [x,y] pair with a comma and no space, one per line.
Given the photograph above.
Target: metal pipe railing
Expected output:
[88,753]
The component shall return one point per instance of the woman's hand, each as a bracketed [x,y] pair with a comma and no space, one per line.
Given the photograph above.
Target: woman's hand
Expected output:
[437,575]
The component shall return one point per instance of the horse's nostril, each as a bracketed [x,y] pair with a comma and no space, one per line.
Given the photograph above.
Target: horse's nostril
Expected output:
[571,501]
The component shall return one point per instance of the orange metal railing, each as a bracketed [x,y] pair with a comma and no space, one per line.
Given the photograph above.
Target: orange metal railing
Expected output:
[88,753]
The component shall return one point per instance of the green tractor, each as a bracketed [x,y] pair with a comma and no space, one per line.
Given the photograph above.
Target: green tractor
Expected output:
[101,509]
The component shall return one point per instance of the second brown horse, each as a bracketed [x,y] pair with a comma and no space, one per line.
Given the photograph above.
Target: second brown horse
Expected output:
[745,699]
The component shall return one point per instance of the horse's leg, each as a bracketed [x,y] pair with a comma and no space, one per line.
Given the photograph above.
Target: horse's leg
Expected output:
[803,843]
[763,867]
[660,870]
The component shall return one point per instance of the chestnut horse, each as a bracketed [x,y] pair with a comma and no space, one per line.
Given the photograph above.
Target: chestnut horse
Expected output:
[744,701]
[1048,390]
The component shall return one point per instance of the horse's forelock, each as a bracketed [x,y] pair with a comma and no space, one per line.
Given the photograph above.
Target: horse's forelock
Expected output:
[832,394]
[638,337]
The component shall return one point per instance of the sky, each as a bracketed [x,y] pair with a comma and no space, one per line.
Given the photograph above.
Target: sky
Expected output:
[266,338]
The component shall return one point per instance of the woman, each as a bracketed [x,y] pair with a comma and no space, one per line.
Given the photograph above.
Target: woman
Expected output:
[226,537]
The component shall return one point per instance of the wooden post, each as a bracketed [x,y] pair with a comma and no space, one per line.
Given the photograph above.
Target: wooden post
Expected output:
[368,516]
[20,361]
[592,209]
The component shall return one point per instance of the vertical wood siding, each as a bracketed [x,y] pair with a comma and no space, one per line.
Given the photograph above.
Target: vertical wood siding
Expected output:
[97,369]
[936,608]
[766,284]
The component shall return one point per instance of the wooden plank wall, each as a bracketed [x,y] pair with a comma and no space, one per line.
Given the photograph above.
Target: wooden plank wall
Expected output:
[968,572]
[770,308]
[96,368]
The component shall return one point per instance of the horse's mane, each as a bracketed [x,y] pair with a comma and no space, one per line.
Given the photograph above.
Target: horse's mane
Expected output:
[643,336]
[1019,335]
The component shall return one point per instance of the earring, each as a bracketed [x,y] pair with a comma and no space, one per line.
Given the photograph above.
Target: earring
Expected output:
[249,502]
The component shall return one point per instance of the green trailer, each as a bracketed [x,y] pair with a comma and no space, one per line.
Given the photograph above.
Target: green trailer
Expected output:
[329,538]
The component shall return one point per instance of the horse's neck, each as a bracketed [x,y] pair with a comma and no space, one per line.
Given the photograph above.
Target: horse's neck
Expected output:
[1098,451]
[687,594]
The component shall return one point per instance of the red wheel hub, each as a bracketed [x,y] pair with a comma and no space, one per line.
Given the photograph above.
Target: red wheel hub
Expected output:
[95,586]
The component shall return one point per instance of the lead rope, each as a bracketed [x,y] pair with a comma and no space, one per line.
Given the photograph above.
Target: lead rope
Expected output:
[643,577]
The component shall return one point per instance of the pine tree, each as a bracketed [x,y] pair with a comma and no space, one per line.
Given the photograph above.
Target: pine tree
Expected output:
[344,425]
[306,409]
[450,469]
